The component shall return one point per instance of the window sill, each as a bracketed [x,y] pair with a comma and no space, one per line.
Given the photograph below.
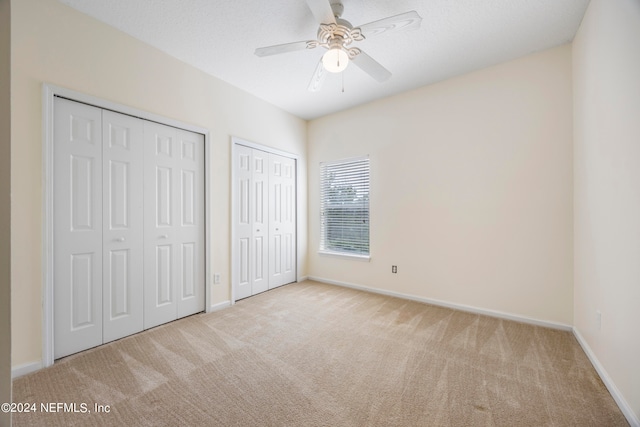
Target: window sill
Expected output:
[366,258]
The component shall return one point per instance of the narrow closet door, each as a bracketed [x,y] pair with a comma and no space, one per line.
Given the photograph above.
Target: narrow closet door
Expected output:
[242,258]
[77,227]
[190,227]
[161,216]
[260,222]
[282,220]
[251,260]
[122,161]
[173,224]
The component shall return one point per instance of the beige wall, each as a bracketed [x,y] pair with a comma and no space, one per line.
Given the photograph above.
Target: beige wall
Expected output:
[55,44]
[5,208]
[471,189]
[606,71]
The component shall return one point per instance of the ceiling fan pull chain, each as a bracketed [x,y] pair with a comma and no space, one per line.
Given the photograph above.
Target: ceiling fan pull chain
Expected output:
[342,81]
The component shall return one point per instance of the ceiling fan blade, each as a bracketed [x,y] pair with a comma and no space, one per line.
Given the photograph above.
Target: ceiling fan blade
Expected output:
[371,67]
[282,48]
[404,21]
[321,10]
[318,78]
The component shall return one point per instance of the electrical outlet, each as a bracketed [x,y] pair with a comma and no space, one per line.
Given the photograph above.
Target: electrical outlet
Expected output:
[216,279]
[394,268]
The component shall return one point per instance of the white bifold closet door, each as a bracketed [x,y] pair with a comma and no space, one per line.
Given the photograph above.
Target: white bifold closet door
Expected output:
[128,225]
[77,221]
[265,250]
[282,220]
[174,224]
[252,257]
[122,225]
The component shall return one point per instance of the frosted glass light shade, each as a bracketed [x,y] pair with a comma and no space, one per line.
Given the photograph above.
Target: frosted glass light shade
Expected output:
[335,60]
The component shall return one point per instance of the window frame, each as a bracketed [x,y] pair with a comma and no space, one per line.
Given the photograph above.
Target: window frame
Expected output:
[362,256]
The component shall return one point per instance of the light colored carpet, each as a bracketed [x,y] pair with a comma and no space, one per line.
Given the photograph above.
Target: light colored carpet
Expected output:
[311,354]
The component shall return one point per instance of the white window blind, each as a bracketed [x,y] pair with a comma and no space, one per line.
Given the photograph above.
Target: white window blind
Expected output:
[344,206]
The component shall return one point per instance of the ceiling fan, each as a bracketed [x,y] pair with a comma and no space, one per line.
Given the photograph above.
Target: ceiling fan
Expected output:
[336,35]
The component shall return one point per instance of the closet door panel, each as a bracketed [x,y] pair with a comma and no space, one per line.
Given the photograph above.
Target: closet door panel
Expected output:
[243,258]
[174,224]
[282,221]
[190,227]
[122,159]
[77,227]
[288,222]
[160,217]
[251,260]
[260,221]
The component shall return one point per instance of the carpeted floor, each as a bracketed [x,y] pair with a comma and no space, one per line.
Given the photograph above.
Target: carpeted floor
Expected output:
[310,354]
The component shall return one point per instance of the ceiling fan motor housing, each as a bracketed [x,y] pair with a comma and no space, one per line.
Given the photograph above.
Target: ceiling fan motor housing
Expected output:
[341,33]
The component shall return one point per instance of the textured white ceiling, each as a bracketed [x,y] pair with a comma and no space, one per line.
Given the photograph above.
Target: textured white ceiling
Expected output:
[456,37]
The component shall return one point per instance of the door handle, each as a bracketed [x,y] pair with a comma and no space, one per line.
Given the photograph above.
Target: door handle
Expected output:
[164,236]
[119,239]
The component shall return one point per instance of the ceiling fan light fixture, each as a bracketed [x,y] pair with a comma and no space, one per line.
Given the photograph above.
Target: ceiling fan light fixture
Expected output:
[335,60]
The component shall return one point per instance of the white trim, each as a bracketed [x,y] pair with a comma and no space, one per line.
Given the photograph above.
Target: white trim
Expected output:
[235,141]
[208,226]
[50,91]
[219,306]
[261,147]
[345,255]
[347,160]
[27,368]
[303,278]
[120,108]
[47,225]
[624,406]
[461,307]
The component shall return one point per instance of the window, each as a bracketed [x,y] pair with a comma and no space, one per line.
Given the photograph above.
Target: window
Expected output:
[344,207]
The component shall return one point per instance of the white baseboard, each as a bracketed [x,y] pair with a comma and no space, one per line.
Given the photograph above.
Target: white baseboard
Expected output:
[461,307]
[27,368]
[219,306]
[624,406]
[302,279]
